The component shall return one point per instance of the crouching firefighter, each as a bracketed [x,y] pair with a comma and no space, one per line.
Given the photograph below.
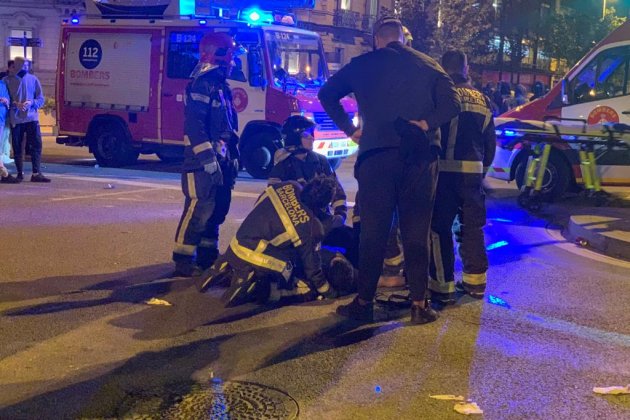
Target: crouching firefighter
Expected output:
[468,146]
[279,241]
[210,156]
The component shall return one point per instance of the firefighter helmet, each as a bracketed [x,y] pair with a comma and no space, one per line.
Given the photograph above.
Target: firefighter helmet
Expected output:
[408,36]
[293,129]
[215,49]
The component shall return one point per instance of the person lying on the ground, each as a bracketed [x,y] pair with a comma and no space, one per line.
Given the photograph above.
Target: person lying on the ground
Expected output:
[279,241]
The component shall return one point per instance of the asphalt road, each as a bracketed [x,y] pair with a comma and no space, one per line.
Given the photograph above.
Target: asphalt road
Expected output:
[80,256]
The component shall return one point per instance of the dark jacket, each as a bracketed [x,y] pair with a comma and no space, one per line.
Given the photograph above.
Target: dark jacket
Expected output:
[288,167]
[390,83]
[469,139]
[209,118]
[280,221]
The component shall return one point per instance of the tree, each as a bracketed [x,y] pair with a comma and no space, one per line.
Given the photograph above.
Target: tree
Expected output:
[440,25]
[569,35]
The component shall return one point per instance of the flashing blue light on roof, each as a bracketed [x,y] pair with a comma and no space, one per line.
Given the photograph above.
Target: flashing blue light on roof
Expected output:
[253,16]
[378,389]
[74,20]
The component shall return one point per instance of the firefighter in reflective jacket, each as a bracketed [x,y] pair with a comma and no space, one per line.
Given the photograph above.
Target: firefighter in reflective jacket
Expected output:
[468,146]
[280,238]
[298,162]
[210,156]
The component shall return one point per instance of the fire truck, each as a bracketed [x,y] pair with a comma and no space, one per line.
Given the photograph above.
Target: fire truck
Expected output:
[594,93]
[121,84]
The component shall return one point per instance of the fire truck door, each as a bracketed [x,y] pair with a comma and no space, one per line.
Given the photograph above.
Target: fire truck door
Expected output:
[181,56]
[248,79]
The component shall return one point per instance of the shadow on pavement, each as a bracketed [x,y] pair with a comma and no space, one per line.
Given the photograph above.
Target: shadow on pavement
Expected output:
[63,285]
[227,356]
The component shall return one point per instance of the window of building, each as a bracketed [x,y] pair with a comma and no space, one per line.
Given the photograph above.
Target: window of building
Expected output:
[345,4]
[18,51]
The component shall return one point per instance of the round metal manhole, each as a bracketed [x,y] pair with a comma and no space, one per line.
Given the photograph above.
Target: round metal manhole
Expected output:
[216,400]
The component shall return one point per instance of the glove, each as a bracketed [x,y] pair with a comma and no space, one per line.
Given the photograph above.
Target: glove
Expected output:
[214,170]
[338,221]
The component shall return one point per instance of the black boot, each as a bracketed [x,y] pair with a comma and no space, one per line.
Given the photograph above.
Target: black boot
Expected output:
[423,315]
[354,310]
[206,256]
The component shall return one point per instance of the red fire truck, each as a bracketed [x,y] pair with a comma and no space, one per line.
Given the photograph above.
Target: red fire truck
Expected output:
[121,84]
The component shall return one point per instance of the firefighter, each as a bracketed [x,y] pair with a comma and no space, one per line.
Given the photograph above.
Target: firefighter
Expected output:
[279,240]
[210,156]
[468,146]
[298,162]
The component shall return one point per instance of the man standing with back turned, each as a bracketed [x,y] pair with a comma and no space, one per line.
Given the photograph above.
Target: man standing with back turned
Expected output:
[404,96]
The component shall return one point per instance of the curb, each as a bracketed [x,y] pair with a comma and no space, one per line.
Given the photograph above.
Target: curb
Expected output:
[607,232]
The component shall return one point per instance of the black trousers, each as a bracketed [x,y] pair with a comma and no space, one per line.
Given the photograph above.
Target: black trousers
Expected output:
[459,208]
[394,257]
[21,135]
[387,183]
[206,206]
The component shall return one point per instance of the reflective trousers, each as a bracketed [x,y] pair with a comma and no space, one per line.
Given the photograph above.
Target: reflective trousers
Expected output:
[206,206]
[459,209]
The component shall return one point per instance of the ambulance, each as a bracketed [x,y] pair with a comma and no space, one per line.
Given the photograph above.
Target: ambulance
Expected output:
[121,84]
[595,92]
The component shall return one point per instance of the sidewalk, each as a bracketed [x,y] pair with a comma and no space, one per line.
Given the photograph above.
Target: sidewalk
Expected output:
[604,229]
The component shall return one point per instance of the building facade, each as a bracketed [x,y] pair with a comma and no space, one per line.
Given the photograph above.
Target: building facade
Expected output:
[35,19]
[344,25]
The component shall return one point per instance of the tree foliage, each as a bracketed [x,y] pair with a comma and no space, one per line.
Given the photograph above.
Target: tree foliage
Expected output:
[570,34]
[465,25]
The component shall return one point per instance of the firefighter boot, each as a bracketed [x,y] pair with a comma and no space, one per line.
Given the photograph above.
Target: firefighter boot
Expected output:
[241,290]
[187,269]
[219,274]
[207,253]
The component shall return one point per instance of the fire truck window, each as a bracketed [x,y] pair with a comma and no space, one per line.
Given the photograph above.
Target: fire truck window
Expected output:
[183,54]
[297,57]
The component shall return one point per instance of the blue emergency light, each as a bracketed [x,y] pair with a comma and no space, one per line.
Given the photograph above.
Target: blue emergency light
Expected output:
[203,22]
[74,20]
[255,16]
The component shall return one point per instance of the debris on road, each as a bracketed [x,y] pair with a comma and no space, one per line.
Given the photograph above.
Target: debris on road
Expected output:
[158,302]
[468,408]
[109,187]
[612,390]
[447,397]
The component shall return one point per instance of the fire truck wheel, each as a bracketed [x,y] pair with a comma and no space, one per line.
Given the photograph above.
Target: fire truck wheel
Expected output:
[111,146]
[335,163]
[258,154]
[556,181]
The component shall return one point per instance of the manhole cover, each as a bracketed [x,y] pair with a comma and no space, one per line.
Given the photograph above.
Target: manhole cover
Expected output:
[216,400]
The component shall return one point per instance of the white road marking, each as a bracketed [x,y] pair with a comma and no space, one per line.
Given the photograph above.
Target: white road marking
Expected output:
[151,185]
[81,197]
